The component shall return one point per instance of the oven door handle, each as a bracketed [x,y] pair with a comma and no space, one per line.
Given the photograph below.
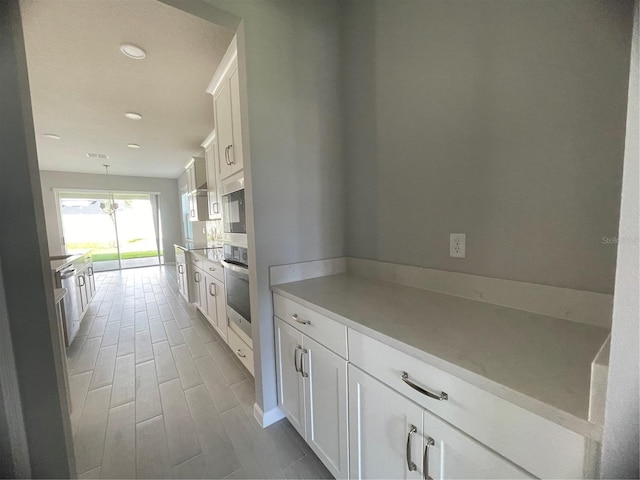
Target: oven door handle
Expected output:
[235,268]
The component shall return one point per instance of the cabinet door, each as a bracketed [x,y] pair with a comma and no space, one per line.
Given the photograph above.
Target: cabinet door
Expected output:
[221,308]
[202,291]
[212,300]
[452,454]
[191,179]
[326,406]
[184,284]
[91,281]
[224,129]
[213,202]
[194,288]
[290,385]
[385,430]
[81,280]
[236,157]
[179,280]
[193,214]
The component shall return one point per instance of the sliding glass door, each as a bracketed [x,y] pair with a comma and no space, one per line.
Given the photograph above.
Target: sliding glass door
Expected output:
[124,233]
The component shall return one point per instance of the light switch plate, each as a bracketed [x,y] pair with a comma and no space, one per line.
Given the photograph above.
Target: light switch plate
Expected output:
[457,245]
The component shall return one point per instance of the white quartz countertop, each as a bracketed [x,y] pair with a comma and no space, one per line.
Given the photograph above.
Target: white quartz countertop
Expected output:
[62,261]
[538,362]
[211,254]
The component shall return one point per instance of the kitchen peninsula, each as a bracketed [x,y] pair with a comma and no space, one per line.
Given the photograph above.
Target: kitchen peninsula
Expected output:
[75,273]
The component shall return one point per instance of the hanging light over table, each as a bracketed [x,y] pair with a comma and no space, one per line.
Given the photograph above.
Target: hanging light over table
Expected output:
[111,206]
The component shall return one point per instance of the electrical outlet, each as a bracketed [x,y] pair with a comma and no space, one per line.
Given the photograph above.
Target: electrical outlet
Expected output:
[457,245]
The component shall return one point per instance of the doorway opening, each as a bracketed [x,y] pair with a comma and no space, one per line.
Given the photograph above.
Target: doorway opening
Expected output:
[122,233]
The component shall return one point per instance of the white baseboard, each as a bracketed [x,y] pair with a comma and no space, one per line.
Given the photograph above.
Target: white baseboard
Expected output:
[268,418]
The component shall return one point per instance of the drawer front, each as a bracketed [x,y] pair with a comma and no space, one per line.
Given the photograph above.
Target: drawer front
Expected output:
[329,333]
[213,269]
[207,266]
[241,350]
[196,260]
[539,446]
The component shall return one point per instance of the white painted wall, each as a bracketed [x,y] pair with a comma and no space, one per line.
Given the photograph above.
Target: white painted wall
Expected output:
[620,448]
[501,119]
[169,207]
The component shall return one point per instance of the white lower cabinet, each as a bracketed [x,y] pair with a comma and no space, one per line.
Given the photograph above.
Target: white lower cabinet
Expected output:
[290,385]
[241,349]
[392,437]
[216,305]
[200,292]
[312,392]
[385,430]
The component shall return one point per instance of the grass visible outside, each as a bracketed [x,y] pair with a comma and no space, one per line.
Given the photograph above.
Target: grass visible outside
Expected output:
[105,256]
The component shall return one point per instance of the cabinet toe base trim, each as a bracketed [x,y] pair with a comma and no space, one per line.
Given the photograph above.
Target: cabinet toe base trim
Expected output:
[267,418]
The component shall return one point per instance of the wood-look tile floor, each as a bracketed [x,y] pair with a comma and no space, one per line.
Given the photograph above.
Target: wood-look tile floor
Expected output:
[156,393]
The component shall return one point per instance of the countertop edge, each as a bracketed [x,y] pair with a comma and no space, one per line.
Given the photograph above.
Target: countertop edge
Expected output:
[549,412]
[59,294]
[205,256]
[68,261]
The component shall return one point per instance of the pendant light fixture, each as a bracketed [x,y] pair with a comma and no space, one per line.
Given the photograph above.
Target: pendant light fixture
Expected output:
[111,206]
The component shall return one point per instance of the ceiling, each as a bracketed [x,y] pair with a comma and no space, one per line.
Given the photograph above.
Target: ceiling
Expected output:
[81,84]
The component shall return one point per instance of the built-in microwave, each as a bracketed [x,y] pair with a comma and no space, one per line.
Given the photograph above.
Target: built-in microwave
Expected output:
[234,220]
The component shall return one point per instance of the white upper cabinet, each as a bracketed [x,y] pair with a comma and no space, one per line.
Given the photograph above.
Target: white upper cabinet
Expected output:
[225,88]
[197,189]
[210,146]
[236,154]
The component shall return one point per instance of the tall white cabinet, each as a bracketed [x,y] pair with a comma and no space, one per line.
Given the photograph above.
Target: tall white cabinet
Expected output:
[225,88]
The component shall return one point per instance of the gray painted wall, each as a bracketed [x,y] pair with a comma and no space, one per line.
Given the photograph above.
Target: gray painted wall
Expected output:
[620,448]
[32,370]
[169,207]
[289,66]
[504,120]
[292,53]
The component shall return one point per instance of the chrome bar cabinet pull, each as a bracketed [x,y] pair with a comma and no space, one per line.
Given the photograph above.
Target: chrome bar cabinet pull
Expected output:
[417,388]
[295,358]
[410,465]
[300,320]
[212,293]
[240,354]
[302,372]
[425,458]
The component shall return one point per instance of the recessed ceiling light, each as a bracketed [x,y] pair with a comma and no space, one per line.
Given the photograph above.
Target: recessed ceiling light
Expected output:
[133,116]
[133,51]
[133,145]
[52,136]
